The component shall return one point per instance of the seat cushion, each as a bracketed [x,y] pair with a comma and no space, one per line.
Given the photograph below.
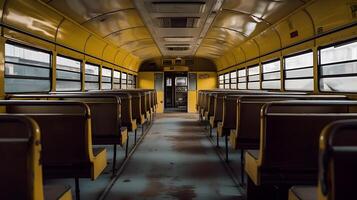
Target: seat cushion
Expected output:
[303,193]
[55,192]
[253,153]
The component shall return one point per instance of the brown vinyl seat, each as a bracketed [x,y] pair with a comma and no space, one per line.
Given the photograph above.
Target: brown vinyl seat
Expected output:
[337,163]
[245,124]
[20,169]
[289,140]
[66,138]
[106,117]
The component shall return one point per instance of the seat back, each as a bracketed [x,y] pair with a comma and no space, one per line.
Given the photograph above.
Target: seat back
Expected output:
[20,169]
[290,133]
[105,110]
[66,131]
[248,109]
[338,163]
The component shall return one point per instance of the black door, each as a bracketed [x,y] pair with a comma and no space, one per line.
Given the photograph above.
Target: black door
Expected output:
[176,91]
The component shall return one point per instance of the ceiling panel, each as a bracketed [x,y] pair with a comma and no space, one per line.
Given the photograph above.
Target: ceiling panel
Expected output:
[82,11]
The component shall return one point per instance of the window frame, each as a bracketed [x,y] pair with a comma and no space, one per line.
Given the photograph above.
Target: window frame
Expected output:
[111,78]
[121,80]
[118,79]
[295,69]
[219,83]
[259,75]
[236,80]
[271,72]
[229,80]
[50,68]
[246,78]
[85,74]
[80,73]
[319,66]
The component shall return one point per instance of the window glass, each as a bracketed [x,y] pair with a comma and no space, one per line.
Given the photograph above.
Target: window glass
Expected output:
[123,80]
[253,78]
[106,78]
[226,81]
[338,68]
[92,77]
[221,81]
[298,72]
[68,74]
[116,79]
[242,79]
[26,69]
[340,53]
[271,75]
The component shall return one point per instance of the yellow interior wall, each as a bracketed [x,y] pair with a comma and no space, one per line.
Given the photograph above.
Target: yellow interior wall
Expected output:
[146,81]
[205,81]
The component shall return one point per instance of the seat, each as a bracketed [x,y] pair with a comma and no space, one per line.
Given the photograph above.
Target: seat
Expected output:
[20,169]
[66,152]
[290,132]
[106,117]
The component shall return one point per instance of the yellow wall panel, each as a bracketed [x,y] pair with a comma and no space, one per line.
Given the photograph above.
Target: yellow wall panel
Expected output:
[268,41]
[33,17]
[206,80]
[300,23]
[192,101]
[109,53]
[28,40]
[71,36]
[329,14]
[69,53]
[95,46]
[338,36]
[251,49]
[146,80]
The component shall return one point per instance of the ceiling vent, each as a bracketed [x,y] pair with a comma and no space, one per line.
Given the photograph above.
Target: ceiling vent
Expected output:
[177,48]
[196,7]
[178,22]
[178,39]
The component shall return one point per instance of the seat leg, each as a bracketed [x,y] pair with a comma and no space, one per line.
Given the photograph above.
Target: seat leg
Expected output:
[127,147]
[226,141]
[210,130]
[135,136]
[114,157]
[142,129]
[242,166]
[78,196]
[217,139]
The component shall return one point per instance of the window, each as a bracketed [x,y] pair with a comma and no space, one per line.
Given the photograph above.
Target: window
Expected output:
[271,75]
[233,80]
[242,79]
[106,78]
[92,77]
[68,74]
[134,81]
[26,69]
[298,72]
[123,80]
[130,81]
[253,78]
[226,81]
[221,81]
[116,80]
[338,68]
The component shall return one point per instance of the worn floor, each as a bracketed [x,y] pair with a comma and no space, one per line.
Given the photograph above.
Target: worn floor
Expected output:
[175,161]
